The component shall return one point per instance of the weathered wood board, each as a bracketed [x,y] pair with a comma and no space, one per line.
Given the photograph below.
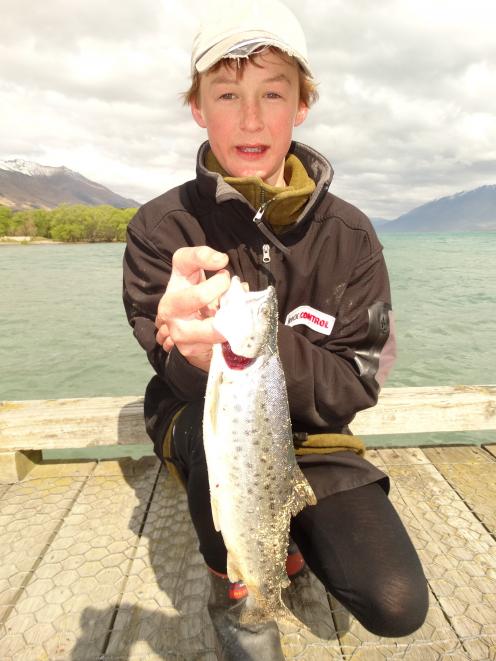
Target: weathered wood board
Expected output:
[457,552]
[43,424]
[436,638]
[14,466]
[162,610]
[429,409]
[66,607]
[472,474]
[491,449]
[107,569]
[30,514]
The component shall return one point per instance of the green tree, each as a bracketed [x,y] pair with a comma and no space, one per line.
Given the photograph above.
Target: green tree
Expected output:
[76,222]
[5,221]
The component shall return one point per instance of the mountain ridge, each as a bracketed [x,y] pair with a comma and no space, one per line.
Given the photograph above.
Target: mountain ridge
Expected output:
[29,185]
[463,211]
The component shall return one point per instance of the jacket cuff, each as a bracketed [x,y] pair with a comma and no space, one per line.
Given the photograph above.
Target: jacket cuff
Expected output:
[186,381]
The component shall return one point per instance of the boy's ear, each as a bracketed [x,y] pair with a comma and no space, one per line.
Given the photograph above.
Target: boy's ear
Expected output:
[197,114]
[301,115]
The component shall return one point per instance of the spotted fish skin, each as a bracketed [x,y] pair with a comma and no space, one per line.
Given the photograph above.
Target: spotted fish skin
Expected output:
[255,483]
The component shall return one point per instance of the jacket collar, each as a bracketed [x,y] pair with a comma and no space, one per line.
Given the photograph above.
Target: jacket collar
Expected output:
[318,167]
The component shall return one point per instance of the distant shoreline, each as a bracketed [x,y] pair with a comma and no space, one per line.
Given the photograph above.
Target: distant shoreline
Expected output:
[40,241]
[25,240]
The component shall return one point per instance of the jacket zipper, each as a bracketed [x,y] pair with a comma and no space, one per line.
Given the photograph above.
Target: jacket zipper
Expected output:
[260,212]
[266,258]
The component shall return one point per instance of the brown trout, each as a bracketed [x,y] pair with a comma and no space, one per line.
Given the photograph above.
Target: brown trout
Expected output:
[255,483]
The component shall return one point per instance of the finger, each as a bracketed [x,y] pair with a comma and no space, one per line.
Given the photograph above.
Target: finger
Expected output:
[246,286]
[200,350]
[168,344]
[162,333]
[210,309]
[188,260]
[189,301]
[195,331]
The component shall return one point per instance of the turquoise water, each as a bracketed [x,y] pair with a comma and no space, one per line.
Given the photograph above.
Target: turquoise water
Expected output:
[63,331]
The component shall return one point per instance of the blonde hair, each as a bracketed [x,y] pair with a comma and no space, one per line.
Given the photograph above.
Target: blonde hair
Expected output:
[308,88]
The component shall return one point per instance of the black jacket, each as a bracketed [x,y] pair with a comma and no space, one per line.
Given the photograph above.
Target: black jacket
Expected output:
[331,282]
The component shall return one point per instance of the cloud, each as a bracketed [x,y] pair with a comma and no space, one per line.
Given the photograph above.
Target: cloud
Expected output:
[407,108]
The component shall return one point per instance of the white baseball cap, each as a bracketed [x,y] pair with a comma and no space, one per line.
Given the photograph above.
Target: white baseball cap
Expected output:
[237,28]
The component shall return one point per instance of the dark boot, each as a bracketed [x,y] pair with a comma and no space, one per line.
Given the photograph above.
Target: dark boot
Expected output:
[234,641]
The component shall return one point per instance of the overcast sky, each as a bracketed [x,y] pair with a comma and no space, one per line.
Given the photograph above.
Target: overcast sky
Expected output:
[407,108]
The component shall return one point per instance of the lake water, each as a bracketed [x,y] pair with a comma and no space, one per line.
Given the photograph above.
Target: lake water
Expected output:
[63,330]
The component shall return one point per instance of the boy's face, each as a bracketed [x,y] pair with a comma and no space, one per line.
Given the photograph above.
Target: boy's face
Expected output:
[250,120]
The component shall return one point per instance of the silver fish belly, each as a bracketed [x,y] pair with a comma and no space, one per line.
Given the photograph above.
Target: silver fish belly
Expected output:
[255,483]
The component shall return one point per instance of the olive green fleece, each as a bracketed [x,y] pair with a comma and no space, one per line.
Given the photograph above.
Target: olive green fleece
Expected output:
[286,202]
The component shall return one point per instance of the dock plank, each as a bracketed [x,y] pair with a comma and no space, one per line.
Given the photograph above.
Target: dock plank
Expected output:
[3,489]
[113,574]
[30,513]
[93,421]
[316,639]
[491,449]
[67,607]
[458,554]
[472,473]
[163,612]
[436,639]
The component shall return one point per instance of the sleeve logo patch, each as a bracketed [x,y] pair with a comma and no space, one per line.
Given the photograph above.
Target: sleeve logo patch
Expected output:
[317,321]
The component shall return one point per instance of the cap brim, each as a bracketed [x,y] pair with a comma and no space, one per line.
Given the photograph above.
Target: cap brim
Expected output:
[239,46]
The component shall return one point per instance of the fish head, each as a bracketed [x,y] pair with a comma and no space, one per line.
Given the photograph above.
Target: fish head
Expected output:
[248,320]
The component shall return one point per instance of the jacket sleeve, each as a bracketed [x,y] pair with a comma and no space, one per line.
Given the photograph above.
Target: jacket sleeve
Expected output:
[330,380]
[146,272]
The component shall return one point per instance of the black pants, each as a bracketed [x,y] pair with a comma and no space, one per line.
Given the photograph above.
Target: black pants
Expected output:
[353,541]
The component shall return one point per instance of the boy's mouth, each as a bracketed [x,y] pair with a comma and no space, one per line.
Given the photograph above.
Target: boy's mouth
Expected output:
[251,151]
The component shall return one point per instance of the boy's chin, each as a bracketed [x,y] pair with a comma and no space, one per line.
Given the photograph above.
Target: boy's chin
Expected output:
[267,177]
[252,172]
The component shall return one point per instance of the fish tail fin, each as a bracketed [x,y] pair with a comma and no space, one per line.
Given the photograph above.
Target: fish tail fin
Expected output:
[302,492]
[255,612]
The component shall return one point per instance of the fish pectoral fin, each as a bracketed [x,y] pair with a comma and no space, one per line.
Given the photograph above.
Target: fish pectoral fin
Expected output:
[232,569]
[215,512]
[211,413]
[303,494]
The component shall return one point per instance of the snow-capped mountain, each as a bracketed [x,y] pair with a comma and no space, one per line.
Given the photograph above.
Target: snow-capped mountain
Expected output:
[28,185]
[467,211]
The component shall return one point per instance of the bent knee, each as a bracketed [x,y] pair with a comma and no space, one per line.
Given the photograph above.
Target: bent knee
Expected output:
[394,612]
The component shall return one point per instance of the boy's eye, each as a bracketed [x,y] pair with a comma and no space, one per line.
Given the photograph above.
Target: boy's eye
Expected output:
[228,96]
[273,95]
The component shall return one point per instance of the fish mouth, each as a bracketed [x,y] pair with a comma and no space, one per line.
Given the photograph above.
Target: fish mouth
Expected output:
[233,360]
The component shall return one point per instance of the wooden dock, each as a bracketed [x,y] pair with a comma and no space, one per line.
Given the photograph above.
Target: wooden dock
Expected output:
[99,560]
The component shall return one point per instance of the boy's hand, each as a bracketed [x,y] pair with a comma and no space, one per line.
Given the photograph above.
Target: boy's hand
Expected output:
[185,311]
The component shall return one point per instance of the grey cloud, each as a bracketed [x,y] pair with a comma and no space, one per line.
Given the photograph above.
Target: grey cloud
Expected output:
[56,23]
[397,115]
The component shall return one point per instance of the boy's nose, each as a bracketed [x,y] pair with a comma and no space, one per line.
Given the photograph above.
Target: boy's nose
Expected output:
[251,117]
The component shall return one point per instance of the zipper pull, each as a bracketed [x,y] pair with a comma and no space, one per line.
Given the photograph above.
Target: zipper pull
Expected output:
[265,253]
[258,216]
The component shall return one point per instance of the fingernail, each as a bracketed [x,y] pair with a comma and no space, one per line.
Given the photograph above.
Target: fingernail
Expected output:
[219,258]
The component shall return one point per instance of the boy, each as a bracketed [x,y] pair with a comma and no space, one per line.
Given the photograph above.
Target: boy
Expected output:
[259,208]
